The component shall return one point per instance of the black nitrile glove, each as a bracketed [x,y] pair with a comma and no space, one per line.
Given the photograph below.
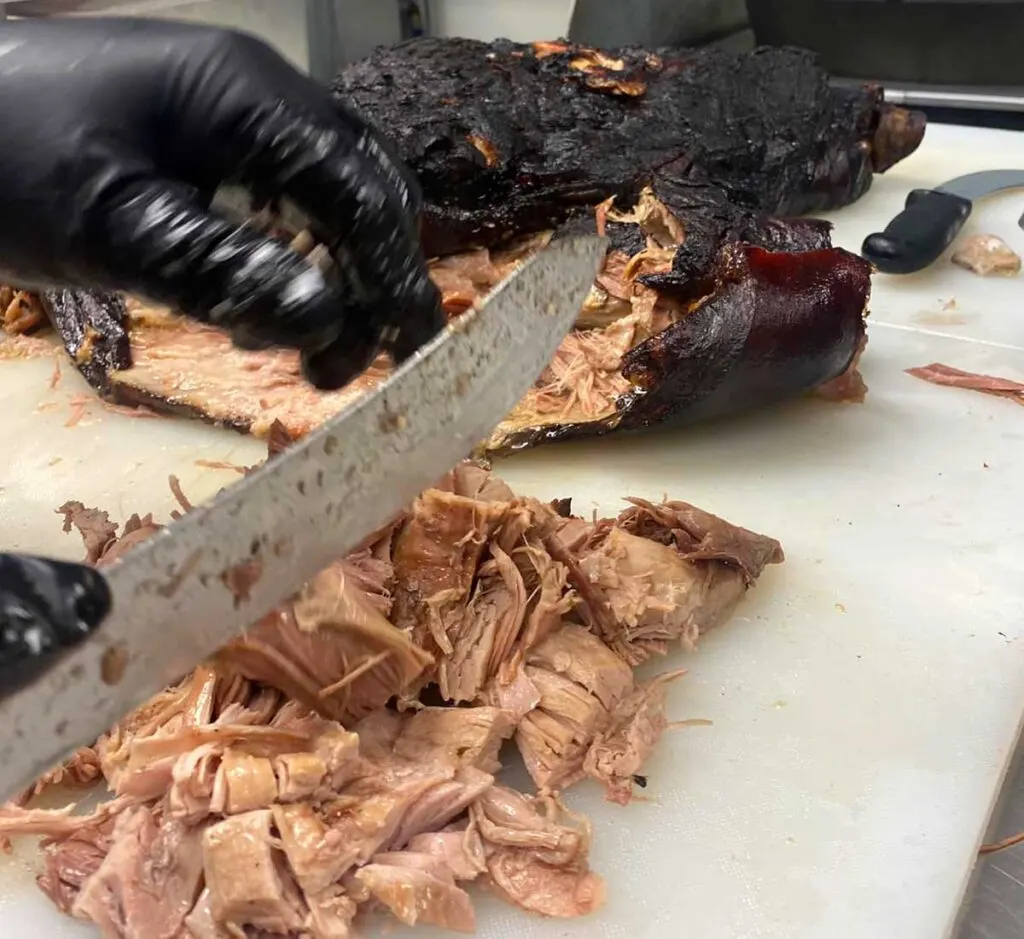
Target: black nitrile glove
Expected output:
[115,135]
[45,607]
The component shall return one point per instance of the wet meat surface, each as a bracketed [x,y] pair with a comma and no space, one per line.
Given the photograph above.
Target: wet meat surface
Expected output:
[344,754]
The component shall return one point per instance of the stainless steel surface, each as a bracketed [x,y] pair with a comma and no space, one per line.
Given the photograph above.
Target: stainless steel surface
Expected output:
[923,97]
[979,98]
[977,185]
[317,35]
[655,22]
[70,7]
[277,528]
[995,904]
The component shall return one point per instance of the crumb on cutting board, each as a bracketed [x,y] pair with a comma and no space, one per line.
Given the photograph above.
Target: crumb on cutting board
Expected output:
[987,255]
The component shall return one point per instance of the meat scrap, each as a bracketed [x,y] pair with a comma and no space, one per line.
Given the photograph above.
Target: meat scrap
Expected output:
[343,754]
[939,374]
[20,311]
[987,255]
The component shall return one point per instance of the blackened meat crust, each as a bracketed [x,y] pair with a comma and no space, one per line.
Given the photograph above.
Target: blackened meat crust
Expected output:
[507,138]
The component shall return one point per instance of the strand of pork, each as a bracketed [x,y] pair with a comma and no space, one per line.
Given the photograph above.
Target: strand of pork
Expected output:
[318,766]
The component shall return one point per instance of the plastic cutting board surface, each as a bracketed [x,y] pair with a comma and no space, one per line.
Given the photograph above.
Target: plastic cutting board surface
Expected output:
[866,696]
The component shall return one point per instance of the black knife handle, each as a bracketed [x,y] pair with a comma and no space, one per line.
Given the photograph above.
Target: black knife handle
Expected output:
[919,234]
[46,608]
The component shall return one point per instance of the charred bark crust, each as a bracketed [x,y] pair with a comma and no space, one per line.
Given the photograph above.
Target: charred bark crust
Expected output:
[93,326]
[509,138]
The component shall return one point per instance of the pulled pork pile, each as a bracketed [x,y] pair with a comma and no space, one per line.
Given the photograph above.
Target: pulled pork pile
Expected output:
[342,755]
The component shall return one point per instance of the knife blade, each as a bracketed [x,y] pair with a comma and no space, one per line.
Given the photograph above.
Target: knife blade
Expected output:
[931,219]
[176,597]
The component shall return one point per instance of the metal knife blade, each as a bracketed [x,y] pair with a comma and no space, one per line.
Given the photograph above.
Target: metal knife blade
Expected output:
[173,602]
[983,183]
[931,219]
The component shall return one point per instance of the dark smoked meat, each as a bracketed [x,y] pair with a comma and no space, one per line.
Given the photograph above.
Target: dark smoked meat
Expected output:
[507,138]
[714,297]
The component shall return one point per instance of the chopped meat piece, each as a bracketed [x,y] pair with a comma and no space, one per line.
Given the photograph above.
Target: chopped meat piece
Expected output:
[97,530]
[200,923]
[317,856]
[16,820]
[364,818]
[243,783]
[462,736]
[299,775]
[71,860]
[584,659]
[436,557]
[474,482]
[986,255]
[81,771]
[136,530]
[20,311]
[373,575]
[516,694]
[620,750]
[489,628]
[554,737]
[461,851]
[939,374]
[148,881]
[378,732]
[701,536]
[537,861]
[102,544]
[656,595]
[332,650]
[579,680]
[148,770]
[194,775]
[442,804]
[278,438]
[415,896]
[551,601]
[414,860]
[246,877]
[330,915]
[664,592]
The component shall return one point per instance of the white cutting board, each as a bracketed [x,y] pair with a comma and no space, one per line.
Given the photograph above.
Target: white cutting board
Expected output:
[867,695]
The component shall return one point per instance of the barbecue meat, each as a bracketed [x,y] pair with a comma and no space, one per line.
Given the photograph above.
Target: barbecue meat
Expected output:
[508,138]
[712,299]
[244,806]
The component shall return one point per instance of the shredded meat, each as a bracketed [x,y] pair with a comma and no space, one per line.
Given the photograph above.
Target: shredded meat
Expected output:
[939,374]
[277,789]
[20,311]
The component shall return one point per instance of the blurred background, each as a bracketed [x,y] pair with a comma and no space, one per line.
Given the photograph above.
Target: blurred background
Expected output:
[958,59]
[321,35]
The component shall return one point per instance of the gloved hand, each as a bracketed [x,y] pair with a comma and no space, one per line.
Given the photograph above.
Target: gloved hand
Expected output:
[45,607]
[116,134]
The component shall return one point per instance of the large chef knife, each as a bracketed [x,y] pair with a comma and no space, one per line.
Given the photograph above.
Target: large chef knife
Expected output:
[931,220]
[206,577]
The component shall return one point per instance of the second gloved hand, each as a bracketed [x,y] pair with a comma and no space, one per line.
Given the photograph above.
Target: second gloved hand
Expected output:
[118,132]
